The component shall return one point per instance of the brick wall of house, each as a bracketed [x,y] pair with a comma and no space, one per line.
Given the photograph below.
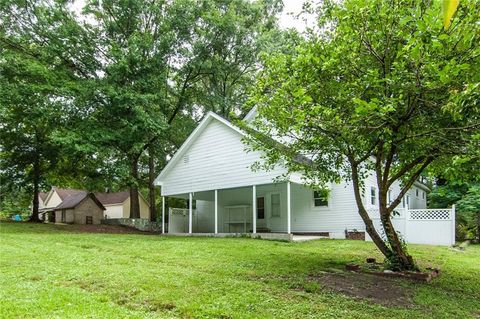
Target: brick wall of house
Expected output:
[88,208]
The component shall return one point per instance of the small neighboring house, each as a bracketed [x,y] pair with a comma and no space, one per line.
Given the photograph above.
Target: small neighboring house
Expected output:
[114,205]
[71,206]
[52,199]
[213,171]
[79,208]
[117,205]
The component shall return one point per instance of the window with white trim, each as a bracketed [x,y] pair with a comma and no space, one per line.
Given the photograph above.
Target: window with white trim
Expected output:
[423,194]
[275,205]
[389,196]
[408,200]
[403,202]
[416,192]
[320,198]
[373,195]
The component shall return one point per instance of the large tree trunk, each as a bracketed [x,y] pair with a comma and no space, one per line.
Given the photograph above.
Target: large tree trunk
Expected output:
[399,258]
[36,181]
[378,241]
[151,186]
[134,200]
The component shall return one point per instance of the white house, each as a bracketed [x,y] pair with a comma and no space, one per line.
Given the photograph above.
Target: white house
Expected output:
[213,170]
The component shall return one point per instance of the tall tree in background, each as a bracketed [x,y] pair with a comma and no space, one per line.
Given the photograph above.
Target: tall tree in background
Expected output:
[382,88]
[29,117]
[137,67]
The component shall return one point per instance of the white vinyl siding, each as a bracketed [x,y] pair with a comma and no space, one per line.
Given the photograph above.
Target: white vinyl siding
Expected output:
[216,160]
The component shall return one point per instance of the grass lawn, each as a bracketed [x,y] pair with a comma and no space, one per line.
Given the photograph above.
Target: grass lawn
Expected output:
[46,272]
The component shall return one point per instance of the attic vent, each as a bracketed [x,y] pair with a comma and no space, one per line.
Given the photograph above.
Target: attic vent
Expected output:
[186,159]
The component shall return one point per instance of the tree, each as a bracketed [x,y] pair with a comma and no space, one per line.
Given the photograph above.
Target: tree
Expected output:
[469,205]
[29,117]
[138,67]
[382,88]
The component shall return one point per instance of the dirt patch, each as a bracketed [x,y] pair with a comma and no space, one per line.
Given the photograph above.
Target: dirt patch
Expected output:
[107,229]
[384,291]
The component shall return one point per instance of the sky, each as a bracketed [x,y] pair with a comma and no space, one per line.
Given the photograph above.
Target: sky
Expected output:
[286,20]
[290,10]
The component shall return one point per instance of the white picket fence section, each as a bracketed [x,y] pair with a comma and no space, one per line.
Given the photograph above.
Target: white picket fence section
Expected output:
[420,226]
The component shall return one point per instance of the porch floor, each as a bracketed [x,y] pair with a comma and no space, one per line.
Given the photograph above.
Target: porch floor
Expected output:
[300,238]
[270,236]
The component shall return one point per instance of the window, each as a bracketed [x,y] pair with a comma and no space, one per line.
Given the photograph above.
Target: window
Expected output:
[389,196]
[423,194]
[260,207]
[64,216]
[89,220]
[403,202]
[275,205]
[320,198]
[408,200]
[373,195]
[416,192]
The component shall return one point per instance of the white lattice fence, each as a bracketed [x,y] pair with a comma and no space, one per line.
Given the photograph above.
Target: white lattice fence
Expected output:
[421,226]
[430,214]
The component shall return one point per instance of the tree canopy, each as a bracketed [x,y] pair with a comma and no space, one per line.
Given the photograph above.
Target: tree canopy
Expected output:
[121,75]
[381,88]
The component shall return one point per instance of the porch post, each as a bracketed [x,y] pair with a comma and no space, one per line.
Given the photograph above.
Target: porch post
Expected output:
[289,209]
[453,224]
[254,209]
[190,200]
[216,211]
[163,214]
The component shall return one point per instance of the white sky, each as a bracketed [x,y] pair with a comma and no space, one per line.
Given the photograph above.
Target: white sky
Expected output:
[291,9]
[287,18]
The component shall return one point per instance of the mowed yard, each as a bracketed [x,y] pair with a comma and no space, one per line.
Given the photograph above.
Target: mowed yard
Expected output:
[49,271]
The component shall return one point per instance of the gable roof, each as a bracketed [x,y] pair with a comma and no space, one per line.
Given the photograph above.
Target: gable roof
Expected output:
[62,193]
[43,196]
[112,198]
[73,200]
[66,192]
[189,141]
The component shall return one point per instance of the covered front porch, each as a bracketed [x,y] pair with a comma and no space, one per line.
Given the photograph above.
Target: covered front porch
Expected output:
[258,211]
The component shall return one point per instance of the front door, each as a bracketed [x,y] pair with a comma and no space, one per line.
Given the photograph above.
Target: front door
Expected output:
[261,213]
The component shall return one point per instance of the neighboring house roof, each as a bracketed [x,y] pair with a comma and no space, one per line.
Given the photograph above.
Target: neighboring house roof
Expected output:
[66,192]
[62,193]
[43,196]
[112,198]
[73,200]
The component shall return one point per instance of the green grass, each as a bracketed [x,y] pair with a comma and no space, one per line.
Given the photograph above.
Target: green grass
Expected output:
[46,273]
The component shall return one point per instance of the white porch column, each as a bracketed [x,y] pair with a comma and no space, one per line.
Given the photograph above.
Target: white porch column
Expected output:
[163,214]
[453,224]
[254,209]
[289,209]
[190,200]
[216,211]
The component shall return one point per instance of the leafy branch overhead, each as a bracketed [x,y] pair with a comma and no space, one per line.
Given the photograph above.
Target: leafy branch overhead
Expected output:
[380,88]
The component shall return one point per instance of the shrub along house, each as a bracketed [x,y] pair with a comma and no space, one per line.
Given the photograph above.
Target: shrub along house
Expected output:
[212,170]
